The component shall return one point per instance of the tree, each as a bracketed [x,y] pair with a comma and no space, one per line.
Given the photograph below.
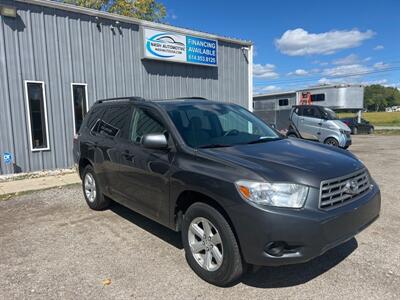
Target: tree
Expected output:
[150,10]
[377,97]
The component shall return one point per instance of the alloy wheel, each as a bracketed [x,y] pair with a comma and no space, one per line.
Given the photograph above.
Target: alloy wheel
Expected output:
[205,244]
[90,187]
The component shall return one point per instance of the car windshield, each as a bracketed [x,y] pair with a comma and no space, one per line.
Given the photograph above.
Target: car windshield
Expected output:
[213,125]
[329,114]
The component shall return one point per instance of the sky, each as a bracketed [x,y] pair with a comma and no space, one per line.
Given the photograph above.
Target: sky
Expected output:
[305,43]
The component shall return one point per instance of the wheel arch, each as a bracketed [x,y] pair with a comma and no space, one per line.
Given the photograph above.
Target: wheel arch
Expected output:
[188,197]
[83,162]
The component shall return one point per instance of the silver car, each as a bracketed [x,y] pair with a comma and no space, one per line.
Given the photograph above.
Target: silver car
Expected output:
[318,123]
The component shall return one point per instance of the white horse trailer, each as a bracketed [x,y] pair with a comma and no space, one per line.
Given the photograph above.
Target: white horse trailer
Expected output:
[275,108]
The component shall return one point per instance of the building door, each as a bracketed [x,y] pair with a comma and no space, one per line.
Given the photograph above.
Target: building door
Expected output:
[79,104]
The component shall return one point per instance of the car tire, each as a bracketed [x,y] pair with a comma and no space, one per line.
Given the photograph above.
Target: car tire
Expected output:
[292,135]
[223,269]
[354,131]
[91,190]
[371,130]
[332,142]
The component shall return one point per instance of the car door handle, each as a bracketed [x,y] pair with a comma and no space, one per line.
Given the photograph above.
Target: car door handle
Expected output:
[129,156]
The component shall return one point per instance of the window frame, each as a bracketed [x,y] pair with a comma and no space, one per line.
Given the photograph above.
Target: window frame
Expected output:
[42,83]
[284,100]
[72,101]
[311,97]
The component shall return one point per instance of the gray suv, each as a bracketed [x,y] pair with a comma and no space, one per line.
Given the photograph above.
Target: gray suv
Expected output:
[318,123]
[239,192]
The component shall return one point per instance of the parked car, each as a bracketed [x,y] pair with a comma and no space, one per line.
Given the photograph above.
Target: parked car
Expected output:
[363,127]
[318,123]
[239,192]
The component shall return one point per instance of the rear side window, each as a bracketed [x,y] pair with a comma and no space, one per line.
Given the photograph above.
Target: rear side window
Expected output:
[93,116]
[114,122]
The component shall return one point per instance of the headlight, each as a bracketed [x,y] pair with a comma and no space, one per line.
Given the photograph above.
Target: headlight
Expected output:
[273,194]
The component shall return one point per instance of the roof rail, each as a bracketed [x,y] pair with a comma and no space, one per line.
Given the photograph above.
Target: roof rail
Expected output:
[193,97]
[121,99]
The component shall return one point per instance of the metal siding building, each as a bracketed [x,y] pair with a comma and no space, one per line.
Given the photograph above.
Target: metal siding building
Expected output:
[60,44]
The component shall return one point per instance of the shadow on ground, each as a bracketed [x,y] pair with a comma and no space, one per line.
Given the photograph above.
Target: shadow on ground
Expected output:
[265,277]
[160,231]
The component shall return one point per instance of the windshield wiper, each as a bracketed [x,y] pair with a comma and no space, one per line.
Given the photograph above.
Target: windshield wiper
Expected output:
[214,146]
[263,140]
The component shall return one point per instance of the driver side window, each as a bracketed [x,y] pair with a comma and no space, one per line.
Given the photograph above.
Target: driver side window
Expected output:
[144,122]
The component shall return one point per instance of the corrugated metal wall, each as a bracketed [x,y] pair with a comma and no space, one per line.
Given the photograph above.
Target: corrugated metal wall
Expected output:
[60,47]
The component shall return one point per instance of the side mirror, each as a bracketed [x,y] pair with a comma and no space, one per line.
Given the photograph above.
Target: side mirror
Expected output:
[155,141]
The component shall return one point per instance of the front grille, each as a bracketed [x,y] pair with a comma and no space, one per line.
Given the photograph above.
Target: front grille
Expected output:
[339,191]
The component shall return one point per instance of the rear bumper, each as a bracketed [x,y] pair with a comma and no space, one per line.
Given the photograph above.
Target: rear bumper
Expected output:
[307,233]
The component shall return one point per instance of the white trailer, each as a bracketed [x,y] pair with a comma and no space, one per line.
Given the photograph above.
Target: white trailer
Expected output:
[275,108]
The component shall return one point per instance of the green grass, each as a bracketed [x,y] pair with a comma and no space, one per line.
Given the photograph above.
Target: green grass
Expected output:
[387,132]
[377,118]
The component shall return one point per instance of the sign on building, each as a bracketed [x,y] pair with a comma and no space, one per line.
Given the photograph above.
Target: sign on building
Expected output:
[175,47]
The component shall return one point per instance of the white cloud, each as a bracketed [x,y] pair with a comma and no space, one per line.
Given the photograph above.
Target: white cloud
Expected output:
[347,60]
[379,47]
[299,72]
[270,88]
[298,42]
[265,71]
[345,70]
[381,65]
[367,58]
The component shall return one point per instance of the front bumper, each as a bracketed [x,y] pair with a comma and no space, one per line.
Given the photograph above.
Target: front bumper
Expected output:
[345,140]
[308,232]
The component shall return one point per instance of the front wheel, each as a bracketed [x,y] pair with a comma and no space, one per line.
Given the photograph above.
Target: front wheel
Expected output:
[371,131]
[210,246]
[355,131]
[332,142]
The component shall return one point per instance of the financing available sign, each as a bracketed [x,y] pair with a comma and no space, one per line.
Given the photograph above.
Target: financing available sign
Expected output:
[175,47]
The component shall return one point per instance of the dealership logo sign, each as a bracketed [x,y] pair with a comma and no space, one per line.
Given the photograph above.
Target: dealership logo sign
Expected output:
[179,48]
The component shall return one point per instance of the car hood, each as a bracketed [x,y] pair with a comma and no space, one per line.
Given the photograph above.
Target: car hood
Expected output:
[290,160]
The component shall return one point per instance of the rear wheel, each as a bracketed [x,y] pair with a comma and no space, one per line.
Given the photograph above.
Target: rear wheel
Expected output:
[210,246]
[91,190]
[292,135]
[354,130]
[332,142]
[371,130]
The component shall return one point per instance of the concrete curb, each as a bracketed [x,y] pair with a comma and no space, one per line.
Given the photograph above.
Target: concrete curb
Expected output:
[34,184]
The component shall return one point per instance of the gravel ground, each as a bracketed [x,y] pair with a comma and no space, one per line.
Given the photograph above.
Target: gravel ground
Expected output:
[53,246]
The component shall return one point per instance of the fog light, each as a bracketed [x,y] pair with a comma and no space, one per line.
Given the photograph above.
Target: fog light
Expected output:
[275,248]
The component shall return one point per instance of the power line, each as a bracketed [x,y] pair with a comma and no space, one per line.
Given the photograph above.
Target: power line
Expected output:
[314,77]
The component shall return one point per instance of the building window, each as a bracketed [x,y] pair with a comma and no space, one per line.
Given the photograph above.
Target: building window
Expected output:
[37,115]
[79,104]
[318,97]
[283,102]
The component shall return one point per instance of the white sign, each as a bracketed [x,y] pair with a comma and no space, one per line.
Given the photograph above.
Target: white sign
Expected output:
[175,47]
